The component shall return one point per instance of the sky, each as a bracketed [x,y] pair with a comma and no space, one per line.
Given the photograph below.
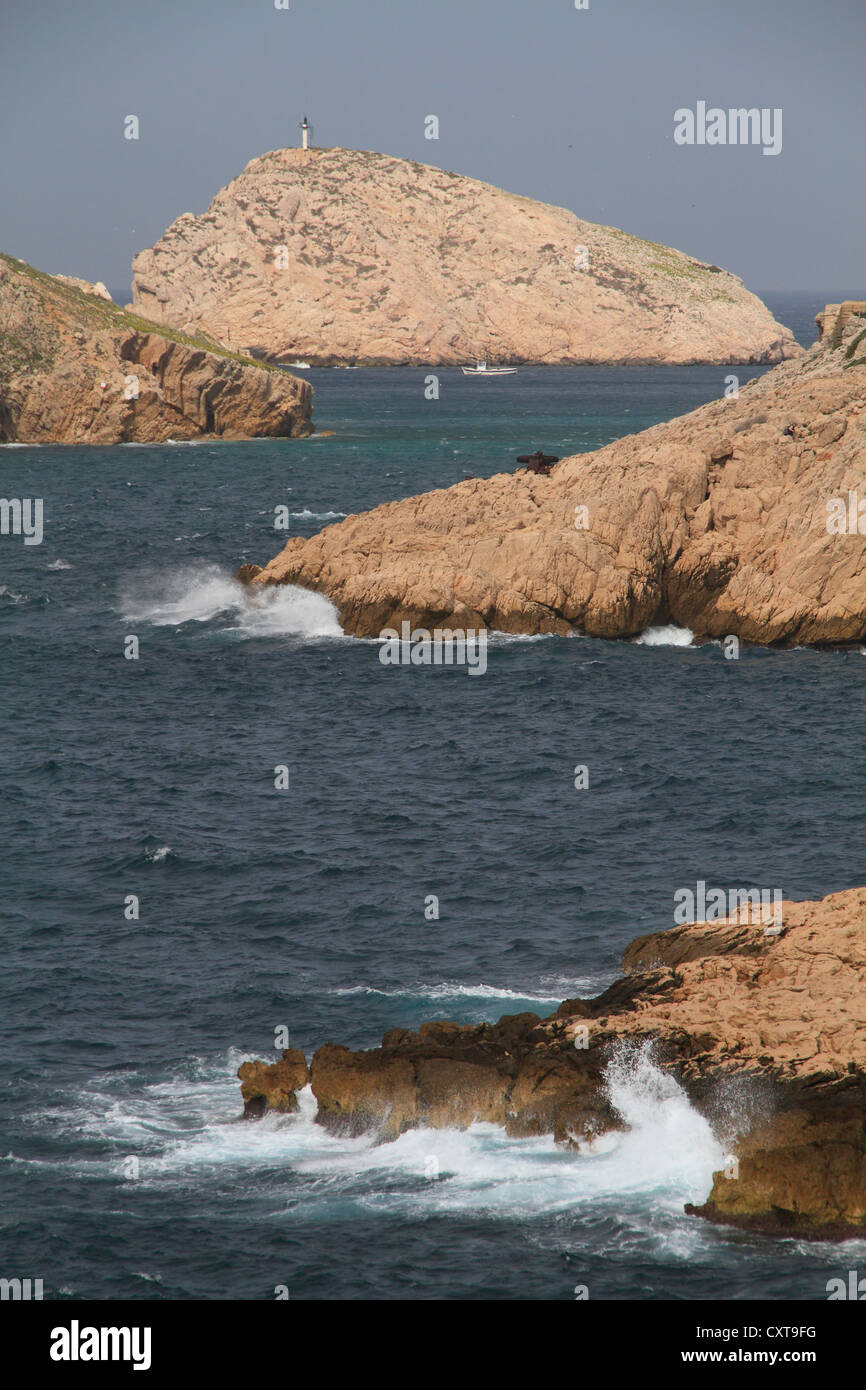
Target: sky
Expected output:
[574,107]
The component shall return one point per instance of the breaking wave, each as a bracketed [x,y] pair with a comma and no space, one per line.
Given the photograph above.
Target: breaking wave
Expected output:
[307,515]
[180,1132]
[156,856]
[668,635]
[558,990]
[206,593]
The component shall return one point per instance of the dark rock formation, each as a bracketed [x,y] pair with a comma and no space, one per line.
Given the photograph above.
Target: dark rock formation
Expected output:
[761,1025]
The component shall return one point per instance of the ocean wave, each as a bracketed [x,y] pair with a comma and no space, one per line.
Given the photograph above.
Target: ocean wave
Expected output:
[204,593]
[497,639]
[307,515]
[59,565]
[180,1132]
[668,635]
[8,595]
[156,856]
[565,989]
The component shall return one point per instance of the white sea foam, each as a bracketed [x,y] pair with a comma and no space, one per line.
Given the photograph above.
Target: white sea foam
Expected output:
[307,515]
[666,1139]
[156,856]
[181,1133]
[59,565]
[203,593]
[667,636]
[560,989]
[496,638]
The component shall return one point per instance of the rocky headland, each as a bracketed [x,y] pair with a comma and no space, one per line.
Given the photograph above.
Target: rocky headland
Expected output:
[726,521]
[77,369]
[347,256]
[763,1027]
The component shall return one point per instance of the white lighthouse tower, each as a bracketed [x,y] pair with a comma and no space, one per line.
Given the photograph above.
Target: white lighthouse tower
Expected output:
[306,128]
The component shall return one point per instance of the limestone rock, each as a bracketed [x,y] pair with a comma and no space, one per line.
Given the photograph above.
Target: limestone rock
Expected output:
[717,521]
[98,289]
[76,369]
[273,1086]
[348,256]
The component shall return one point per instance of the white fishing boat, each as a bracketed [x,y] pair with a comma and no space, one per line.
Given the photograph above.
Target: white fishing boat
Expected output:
[482,369]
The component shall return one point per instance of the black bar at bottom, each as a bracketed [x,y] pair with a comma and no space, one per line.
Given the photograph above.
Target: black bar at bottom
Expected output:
[59,1339]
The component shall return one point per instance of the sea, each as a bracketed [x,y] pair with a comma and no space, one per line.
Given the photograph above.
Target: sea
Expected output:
[170,908]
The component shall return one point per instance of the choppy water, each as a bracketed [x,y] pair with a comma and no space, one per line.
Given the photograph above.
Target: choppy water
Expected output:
[123,1170]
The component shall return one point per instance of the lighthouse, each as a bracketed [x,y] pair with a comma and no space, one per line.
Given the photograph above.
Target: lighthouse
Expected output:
[305,134]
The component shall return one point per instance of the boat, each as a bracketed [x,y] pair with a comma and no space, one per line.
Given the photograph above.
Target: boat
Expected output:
[482,369]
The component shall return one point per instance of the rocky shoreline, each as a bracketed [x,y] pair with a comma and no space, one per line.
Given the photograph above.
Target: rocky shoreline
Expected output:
[763,1027]
[76,369]
[732,520]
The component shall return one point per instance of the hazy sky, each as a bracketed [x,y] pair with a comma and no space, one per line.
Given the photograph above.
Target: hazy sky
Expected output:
[574,107]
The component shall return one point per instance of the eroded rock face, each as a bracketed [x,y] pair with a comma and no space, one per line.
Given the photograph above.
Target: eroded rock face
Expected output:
[348,256]
[528,1079]
[717,521]
[75,369]
[800,1173]
[764,1030]
[273,1086]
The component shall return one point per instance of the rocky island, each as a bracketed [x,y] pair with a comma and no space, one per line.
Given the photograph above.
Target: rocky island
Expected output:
[734,519]
[352,257]
[764,1028]
[77,369]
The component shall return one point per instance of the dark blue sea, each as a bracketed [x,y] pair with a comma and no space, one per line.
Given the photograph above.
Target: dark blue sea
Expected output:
[124,1172]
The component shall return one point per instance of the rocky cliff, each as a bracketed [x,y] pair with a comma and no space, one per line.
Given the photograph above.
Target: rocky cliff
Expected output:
[76,369]
[727,521]
[763,1027]
[348,256]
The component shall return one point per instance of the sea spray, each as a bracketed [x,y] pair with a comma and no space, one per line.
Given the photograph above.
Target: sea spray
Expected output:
[668,635]
[203,593]
[179,1128]
[668,1143]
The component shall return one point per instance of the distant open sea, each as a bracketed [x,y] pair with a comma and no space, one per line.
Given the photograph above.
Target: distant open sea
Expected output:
[123,1170]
